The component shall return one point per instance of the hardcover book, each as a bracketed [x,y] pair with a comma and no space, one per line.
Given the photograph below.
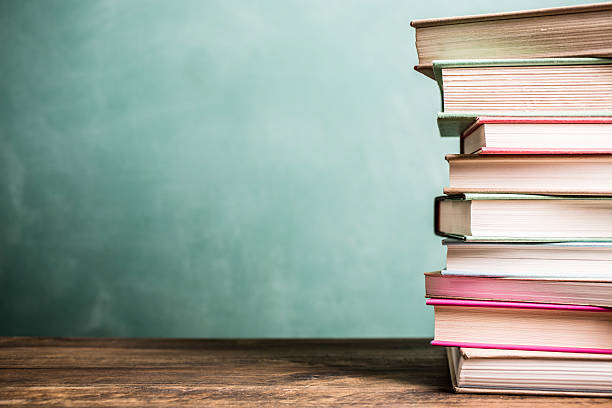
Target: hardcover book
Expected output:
[535,290]
[577,174]
[573,86]
[575,31]
[537,135]
[522,326]
[569,260]
[455,124]
[523,217]
[476,370]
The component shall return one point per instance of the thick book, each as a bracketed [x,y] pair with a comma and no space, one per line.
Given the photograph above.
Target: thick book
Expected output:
[547,86]
[537,135]
[476,370]
[575,174]
[523,217]
[566,260]
[575,31]
[533,290]
[522,326]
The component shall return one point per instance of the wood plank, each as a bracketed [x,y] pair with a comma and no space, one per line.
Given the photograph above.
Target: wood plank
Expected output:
[189,372]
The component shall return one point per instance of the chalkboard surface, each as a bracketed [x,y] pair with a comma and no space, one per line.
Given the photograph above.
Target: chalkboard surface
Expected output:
[218,168]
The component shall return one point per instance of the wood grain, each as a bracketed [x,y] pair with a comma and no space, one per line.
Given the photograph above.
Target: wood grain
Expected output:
[180,372]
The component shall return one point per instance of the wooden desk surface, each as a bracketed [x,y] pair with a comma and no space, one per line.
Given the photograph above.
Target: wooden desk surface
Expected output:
[171,372]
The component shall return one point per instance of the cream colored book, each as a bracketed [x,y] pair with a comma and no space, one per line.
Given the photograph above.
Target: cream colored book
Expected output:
[570,260]
[522,326]
[574,31]
[538,135]
[575,86]
[523,217]
[573,174]
[475,370]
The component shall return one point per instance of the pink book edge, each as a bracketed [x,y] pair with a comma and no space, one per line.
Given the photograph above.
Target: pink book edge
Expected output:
[515,305]
[520,347]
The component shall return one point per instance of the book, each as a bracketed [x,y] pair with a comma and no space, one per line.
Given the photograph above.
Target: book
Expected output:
[523,217]
[454,124]
[476,370]
[575,31]
[547,86]
[534,290]
[578,174]
[571,260]
[522,326]
[537,135]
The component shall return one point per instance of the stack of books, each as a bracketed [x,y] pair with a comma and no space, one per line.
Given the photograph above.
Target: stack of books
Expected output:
[524,304]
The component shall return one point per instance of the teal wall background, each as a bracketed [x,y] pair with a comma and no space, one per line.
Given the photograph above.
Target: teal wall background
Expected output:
[218,168]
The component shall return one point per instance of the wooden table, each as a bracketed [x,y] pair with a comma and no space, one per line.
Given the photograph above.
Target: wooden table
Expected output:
[171,372]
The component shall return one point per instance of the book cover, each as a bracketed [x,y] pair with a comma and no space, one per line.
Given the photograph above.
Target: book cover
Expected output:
[451,124]
[518,305]
[561,135]
[553,32]
[492,287]
[440,65]
[454,366]
[576,174]
[509,239]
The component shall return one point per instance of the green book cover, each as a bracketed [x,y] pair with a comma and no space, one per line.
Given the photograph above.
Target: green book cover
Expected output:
[454,123]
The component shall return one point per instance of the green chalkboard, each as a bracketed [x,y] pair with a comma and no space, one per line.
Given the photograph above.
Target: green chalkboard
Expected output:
[218,168]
